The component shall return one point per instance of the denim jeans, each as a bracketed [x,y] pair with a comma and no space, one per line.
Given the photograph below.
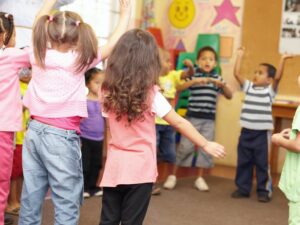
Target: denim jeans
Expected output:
[51,159]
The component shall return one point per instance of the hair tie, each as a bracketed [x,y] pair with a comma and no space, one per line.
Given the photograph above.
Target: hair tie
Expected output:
[50,18]
[77,23]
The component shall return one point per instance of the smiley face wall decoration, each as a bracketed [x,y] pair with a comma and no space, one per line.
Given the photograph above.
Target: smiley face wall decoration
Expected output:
[182,13]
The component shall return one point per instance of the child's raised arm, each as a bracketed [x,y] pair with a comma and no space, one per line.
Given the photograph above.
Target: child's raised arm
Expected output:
[237,66]
[187,129]
[282,139]
[279,72]
[125,10]
[47,6]
[190,69]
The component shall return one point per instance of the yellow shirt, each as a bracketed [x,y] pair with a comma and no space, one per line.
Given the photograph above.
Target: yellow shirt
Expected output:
[20,135]
[168,85]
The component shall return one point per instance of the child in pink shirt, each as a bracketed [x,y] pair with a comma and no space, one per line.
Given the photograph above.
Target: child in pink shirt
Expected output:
[131,100]
[11,60]
[64,47]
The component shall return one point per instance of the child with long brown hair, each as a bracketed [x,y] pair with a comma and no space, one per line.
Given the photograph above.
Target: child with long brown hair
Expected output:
[64,47]
[131,99]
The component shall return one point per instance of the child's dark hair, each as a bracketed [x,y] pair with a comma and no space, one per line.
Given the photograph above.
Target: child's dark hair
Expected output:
[271,70]
[65,28]
[132,71]
[209,49]
[89,75]
[6,26]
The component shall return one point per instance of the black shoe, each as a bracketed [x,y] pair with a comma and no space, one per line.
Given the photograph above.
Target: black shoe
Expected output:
[263,198]
[8,221]
[237,194]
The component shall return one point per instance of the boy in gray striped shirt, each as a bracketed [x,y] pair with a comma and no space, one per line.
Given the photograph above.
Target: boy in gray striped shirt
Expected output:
[257,123]
[205,86]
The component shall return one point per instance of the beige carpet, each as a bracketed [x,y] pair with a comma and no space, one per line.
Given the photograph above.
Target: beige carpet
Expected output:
[187,206]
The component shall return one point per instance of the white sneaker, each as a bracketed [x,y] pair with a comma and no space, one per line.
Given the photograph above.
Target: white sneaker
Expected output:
[98,193]
[86,195]
[170,183]
[201,185]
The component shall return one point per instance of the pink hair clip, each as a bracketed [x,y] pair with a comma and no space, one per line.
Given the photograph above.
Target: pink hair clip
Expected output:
[77,23]
[50,18]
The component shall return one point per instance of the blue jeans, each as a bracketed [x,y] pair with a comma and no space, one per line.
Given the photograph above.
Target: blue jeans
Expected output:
[51,159]
[165,141]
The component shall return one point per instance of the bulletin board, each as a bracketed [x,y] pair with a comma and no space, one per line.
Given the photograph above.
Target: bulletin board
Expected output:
[290,27]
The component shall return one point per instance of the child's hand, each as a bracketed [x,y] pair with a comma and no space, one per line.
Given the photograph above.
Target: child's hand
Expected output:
[125,6]
[214,149]
[286,133]
[218,83]
[286,56]
[241,51]
[201,80]
[188,63]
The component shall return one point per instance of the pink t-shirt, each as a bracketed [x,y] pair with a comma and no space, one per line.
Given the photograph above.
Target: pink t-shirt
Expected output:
[57,91]
[131,155]
[11,61]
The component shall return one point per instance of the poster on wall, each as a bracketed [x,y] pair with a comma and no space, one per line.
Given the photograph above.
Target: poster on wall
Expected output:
[290,27]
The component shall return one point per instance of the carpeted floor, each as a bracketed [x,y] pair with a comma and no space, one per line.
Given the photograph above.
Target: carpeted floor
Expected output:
[187,206]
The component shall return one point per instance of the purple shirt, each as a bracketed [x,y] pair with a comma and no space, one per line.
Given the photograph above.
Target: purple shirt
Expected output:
[92,127]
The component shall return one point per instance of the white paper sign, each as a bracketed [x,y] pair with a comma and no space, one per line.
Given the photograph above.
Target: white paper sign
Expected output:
[290,27]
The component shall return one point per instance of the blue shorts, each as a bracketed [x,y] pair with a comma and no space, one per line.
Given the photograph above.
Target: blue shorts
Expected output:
[165,142]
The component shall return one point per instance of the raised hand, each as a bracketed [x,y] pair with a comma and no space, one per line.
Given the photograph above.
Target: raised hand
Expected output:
[188,63]
[125,6]
[241,51]
[287,56]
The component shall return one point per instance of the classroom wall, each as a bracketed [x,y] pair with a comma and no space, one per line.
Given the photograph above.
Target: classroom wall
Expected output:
[260,35]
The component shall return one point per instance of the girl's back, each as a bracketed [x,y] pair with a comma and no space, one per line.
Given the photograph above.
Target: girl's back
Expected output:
[131,149]
[57,90]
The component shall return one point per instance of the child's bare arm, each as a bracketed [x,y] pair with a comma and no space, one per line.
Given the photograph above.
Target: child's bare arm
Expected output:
[187,129]
[282,139]
[279,72]
[237,66]
[125,12]
[227,92]
[46,8]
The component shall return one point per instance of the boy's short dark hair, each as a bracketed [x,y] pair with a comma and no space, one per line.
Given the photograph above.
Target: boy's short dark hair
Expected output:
[209,49]
[271,70]
[90,73]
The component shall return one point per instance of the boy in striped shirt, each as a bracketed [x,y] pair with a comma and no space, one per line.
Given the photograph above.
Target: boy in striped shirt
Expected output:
[257,123]
[205,86]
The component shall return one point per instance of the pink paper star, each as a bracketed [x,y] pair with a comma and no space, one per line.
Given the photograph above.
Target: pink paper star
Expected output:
[226,11]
